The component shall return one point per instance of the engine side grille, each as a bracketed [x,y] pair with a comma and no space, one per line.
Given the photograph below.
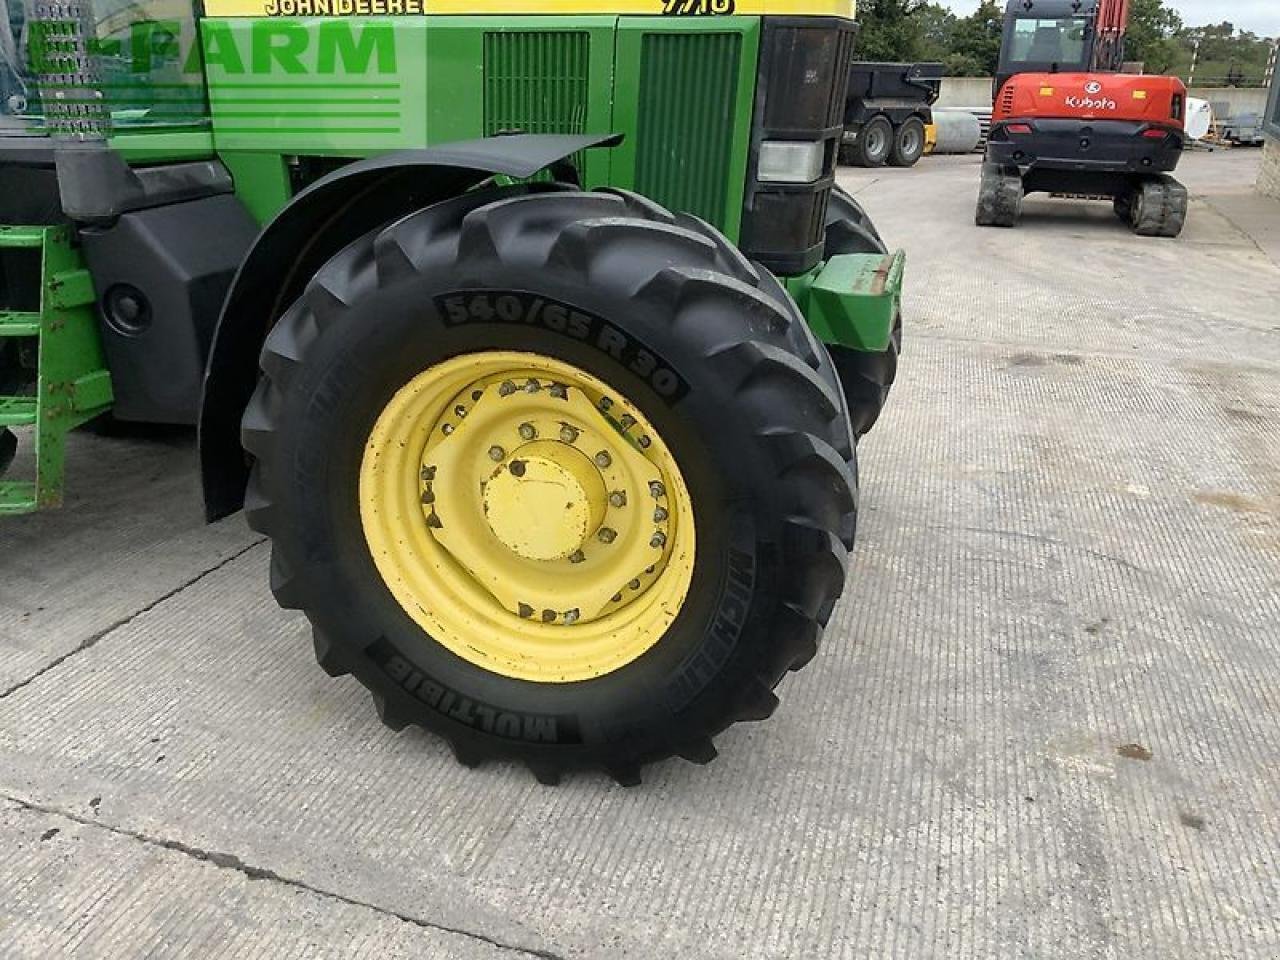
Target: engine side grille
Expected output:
[684,139]
[536,81]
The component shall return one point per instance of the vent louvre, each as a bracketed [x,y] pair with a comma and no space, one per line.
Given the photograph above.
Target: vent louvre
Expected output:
[684,137]
[536,81]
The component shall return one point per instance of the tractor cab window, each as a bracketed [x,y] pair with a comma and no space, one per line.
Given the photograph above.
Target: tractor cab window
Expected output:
[144,66]
[15,78]
[1052,44]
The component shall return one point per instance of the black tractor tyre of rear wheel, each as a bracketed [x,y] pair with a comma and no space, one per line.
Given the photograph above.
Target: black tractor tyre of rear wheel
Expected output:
[874,143]
[908,143]
[758,429]
[865,377]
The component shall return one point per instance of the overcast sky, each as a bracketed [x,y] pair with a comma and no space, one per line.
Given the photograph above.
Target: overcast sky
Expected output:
[1260,16]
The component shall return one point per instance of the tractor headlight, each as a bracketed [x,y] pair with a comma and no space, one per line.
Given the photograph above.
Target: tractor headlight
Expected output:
[790,161]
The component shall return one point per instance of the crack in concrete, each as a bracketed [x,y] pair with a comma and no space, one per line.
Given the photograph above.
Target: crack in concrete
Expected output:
[229,861]
[125,621]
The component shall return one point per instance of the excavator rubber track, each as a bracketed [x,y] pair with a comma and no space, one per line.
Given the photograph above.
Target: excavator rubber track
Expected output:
[999,197]
[1155,207]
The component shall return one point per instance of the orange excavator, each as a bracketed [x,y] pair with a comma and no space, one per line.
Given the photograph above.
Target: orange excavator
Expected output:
[1067,122]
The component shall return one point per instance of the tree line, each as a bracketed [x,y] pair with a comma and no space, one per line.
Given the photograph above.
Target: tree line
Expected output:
[912,30]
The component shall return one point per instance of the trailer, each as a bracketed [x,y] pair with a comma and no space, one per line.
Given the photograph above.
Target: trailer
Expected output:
[886,111]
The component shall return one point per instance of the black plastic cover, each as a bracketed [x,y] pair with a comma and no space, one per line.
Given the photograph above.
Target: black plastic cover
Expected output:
[174,263]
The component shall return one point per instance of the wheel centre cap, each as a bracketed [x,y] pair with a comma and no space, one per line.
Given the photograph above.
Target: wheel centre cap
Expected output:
[545,501]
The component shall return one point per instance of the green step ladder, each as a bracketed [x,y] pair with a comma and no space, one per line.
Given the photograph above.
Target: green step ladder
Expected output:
[72,383]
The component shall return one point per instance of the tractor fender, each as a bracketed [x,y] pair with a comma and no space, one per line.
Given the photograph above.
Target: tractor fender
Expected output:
[316,224]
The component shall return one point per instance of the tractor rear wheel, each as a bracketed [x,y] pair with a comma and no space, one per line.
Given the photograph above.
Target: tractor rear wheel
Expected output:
[999,197]
[908,143]
[866,378]
[555,476]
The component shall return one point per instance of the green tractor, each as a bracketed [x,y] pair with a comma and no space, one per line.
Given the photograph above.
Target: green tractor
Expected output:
[507,328]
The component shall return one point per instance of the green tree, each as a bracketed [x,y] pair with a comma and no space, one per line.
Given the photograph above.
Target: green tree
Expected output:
[1152,35]
[975,43]
[890,30]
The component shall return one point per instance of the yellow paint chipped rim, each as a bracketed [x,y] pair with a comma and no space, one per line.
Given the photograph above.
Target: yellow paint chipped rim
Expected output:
[478,559]
[348,8]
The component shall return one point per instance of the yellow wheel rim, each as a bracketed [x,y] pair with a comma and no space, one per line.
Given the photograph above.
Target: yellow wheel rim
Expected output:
[527,516]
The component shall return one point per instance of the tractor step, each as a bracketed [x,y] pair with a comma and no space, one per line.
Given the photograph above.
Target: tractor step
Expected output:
[17,497]
[30,237]
[18,411]
[14,324]
[51,361]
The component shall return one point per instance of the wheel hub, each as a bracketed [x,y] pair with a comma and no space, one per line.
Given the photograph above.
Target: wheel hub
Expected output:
[529,517]
[543,503]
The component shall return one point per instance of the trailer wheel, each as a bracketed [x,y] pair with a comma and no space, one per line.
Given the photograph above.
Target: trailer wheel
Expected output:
[554,476]
[874,143]
[908,143]
[866,378]
[999,197]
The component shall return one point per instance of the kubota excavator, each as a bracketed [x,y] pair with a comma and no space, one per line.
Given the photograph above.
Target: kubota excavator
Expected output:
[1066,121]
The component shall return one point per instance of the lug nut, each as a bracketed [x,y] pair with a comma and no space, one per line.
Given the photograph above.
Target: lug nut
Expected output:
[528,431]
[618,498]
[517,468]
[603,459]
[571,616]
[568,434]
[428,474]
[656,489]
[560,391]
[548,616]
[532,386]
[460,410]
[605,403]
[658,540]
[607,535]
[659,514]
[496,454]
[645,442]
[617,598]
[476,395]
[634,584]
[447,429]
[506,389]
[627,421]
[428,496]
[433,522]
[525,610]
[577,556]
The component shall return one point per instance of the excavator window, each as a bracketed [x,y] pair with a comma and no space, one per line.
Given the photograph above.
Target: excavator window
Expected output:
[1052,44]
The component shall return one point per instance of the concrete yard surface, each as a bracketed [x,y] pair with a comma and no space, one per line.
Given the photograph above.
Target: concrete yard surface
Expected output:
[1045,722]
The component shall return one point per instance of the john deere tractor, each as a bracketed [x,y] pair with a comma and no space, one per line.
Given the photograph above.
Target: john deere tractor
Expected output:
[507,328]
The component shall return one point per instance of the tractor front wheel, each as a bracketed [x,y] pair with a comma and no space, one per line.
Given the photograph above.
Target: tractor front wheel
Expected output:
[555,476]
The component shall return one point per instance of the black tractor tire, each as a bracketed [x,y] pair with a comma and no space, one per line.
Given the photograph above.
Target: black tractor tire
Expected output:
[865,377]
[759,431]
[908,143]
[999,197]
[848,227]
[874,143]
[1155,207]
